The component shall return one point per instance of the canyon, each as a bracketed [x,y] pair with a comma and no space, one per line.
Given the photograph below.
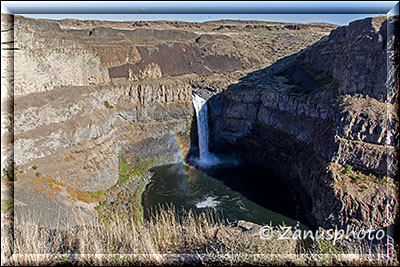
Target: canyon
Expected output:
[315,111]
[316,104]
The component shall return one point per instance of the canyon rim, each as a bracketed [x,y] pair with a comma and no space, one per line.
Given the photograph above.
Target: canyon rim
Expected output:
[89,107]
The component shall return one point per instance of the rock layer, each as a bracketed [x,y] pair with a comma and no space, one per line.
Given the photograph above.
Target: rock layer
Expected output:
[316,110]
[86,92]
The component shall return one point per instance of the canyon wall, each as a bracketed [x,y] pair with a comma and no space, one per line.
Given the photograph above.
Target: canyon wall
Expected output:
[324,120]
[84,97]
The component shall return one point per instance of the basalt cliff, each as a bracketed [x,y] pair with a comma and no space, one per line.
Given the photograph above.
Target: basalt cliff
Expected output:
[86,102]
[325,121]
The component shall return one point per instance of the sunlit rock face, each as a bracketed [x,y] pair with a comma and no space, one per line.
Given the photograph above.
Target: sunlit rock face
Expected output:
[82,93]
[86,93]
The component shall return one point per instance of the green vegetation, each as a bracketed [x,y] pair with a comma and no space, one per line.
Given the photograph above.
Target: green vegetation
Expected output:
[9,174]
[358,176]
[365,179]
[347,169]
[99,194]
[127,193]
[187,129]
[102,205]
[108,105]
[35,167]
[127,170]
[6,206]
[88,197]
[354,178]
[103,210]
[127,204]
[92,196]
[124,171]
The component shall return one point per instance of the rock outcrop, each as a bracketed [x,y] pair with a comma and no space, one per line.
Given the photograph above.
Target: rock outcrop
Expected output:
[82,96]
[310,114]
[88,95]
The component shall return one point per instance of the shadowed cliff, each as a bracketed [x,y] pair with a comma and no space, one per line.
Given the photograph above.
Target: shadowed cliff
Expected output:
[310,115]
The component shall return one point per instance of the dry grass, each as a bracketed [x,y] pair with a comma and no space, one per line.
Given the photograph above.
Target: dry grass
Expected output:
[168,238]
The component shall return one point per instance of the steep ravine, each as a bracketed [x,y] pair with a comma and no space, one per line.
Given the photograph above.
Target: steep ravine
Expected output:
[91,105]
[96,104]
[324,121]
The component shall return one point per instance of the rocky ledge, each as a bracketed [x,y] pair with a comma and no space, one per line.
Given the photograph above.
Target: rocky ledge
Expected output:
[89,106]
[87,103]
[324,120]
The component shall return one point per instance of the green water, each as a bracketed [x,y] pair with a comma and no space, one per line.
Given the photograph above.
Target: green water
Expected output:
[188,188]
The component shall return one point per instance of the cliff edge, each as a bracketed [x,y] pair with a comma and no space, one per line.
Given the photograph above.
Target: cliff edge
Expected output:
[324,120]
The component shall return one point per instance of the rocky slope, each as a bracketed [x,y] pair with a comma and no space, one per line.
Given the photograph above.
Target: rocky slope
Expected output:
[310,114]
[89,102]
[87,96]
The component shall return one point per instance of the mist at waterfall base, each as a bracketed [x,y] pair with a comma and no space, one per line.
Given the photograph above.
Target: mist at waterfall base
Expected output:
[221,184]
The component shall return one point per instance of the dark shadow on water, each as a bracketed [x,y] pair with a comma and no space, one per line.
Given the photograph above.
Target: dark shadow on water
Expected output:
[235,192]
[256,183]
[260,186]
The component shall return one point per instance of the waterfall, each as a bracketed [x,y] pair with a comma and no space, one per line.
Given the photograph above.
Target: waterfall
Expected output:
[205,157]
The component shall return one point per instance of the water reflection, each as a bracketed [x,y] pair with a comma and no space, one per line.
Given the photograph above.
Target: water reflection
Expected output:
[188,188]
